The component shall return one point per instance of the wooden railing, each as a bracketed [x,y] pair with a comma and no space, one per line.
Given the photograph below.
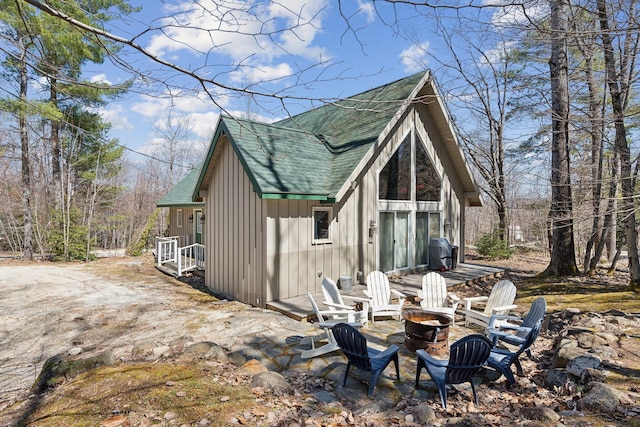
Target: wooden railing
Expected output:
[191,258]
[179,259]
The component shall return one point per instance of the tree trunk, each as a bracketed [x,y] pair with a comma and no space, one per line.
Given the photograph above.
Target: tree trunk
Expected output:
[596,120]
[563,260]
[27,242]
[622,148]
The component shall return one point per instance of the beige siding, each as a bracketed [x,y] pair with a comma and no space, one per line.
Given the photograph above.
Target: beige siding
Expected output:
[234,238]
[187,230]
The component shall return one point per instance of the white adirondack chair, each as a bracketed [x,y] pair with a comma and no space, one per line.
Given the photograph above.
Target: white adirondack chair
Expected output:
[434,296]
[336,303]
[326,335]
[499,301]
[380,296]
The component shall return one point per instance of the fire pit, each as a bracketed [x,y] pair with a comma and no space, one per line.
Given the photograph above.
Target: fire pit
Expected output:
[426,330]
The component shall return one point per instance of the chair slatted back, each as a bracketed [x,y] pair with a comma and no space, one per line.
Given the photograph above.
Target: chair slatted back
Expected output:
[378,286]
[536,313]
[503,293]
[466,357]
[331,292]
[353,344]
[434,290]
[316,310]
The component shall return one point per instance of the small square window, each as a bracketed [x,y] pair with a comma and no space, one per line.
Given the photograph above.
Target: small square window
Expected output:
[321,225]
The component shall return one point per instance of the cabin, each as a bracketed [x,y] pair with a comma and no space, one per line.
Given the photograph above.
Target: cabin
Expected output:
[182,249]
[358,185]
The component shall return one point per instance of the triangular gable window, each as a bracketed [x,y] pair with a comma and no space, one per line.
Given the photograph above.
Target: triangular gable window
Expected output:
[395,177]
[427,179]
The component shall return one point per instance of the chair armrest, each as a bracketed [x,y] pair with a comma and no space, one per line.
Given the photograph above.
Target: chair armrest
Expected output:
[430,360]
[453,297]
[368,294]
[331,323]
[420,294]
[504,308]
[334,305]
[398,294]
[388,352]
[336,312]
[469,301]
[356,299]
[503,317]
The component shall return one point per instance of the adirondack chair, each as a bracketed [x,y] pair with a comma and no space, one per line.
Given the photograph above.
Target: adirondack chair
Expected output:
[434,296]
[335,301]
[501,359]
[466,357]
[380,296]
[499,301]
[354,346]
[515,330]
[326,335]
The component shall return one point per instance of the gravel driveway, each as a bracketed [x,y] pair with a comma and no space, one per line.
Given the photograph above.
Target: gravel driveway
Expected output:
[47,309]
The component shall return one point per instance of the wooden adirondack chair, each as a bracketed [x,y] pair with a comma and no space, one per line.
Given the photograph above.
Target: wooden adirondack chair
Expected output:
[335,301]
[512,329]
[501,359]
[354,346]
[326,335]
[466,357]
[499,301]
[380,294]
[434,296]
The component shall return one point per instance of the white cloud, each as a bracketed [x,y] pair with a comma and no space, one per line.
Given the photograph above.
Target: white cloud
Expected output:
[243,30]
[178,103]
[415,58]
[511,16]
[116,115]
[499,53]
[367,10]
[262,73]
[100,78]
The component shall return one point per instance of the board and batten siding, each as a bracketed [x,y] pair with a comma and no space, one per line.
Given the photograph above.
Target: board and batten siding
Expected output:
[187,231]
[295,265]
[234,233]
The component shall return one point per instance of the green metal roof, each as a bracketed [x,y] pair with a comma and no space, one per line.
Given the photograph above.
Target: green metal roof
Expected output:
[311,155]
[181,194]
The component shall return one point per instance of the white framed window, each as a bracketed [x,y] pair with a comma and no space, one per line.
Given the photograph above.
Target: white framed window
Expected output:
[322,224]
[179,218]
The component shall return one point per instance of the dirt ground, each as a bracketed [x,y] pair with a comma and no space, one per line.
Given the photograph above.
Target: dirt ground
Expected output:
[67,305]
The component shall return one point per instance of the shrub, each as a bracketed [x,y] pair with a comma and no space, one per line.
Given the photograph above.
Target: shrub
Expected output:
[491,246]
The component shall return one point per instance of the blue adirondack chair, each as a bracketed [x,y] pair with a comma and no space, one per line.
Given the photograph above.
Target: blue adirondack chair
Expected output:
[501,359]
[466,358]
[516,329]
[354,345]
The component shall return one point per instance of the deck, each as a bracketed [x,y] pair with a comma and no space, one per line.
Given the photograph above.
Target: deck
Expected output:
[299,307]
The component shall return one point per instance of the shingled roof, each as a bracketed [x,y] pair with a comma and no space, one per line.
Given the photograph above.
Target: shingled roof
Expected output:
[181,194]
[313,154]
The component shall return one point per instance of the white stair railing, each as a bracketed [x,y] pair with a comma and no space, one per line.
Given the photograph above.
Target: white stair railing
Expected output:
[191,258]
[166,249]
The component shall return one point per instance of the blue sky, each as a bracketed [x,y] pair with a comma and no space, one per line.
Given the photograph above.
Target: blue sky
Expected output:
[338,61]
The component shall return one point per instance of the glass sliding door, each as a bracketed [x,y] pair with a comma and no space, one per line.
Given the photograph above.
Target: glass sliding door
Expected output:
[394,240]
[422,238]
[402,240]
[387,233]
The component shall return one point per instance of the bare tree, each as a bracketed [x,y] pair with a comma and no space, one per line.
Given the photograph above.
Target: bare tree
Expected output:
[563,261]
[620,75]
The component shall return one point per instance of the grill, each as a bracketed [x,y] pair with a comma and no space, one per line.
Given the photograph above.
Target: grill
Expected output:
[426,330]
